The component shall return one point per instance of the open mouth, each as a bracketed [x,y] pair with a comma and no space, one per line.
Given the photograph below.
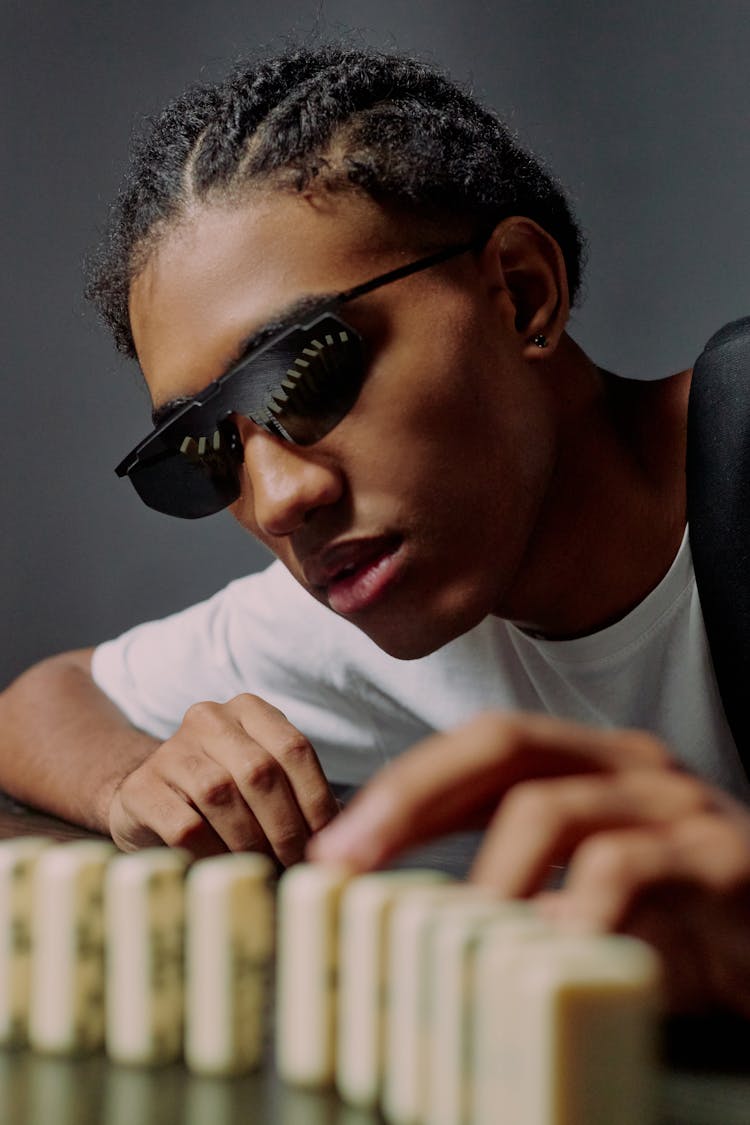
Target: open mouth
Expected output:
[363,580]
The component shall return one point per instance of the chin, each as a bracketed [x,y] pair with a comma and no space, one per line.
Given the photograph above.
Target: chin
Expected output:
[411,639]
[406,647]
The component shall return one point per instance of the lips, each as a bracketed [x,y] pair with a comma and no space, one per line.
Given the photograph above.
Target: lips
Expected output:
[354,574]
[343,559]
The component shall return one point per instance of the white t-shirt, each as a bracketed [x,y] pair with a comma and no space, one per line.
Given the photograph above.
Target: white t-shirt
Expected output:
[359,707]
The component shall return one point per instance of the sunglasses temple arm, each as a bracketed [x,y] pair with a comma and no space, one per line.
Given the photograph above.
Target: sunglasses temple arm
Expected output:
[412,267]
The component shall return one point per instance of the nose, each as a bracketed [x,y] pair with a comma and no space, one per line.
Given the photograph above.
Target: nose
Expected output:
[286,482]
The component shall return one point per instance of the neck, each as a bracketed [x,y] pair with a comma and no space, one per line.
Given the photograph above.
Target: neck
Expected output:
[613,516]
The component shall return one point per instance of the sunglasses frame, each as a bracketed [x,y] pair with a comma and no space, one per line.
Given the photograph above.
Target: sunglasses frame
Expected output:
[164,439]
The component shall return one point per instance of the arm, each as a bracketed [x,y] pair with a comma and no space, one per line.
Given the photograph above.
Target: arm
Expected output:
[651,850]
[64,747]
[234,776]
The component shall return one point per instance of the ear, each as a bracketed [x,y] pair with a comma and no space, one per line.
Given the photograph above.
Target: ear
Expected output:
[527,270]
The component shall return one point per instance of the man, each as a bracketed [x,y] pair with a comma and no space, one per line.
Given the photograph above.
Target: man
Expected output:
[348,289]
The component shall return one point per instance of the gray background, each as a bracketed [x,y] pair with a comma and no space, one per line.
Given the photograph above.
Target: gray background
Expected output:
[641,108]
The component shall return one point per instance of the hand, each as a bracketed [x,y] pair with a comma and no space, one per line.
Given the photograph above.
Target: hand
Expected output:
[235,776]
[652,851]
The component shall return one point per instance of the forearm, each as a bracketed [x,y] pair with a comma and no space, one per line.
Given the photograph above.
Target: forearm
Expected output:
[64,747]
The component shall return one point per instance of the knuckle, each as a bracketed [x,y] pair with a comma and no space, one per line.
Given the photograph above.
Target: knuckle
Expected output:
[691,792]
[182,833]
[504,730]
[262,774]
[727,855]
[217,794]
[131,789]
[293,749]
[320,811]
[247,701]
[607,860]
[650,750]
[204,715]
[249,840]
[289,844]
[533,801]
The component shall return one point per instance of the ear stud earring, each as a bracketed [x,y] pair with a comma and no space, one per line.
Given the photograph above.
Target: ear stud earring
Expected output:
[540,340]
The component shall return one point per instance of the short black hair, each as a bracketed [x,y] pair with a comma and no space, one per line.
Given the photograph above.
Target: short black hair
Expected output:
[384,124]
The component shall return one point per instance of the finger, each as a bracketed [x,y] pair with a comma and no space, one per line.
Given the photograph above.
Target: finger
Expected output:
[209,788]
[540,823]
[714,847]
[264,790]
[611,871]
[240,789]
[147,812]
[272,730]
[685,890]
[452,781]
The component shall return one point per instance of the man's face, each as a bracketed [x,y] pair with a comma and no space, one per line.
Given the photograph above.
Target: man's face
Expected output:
[411,518]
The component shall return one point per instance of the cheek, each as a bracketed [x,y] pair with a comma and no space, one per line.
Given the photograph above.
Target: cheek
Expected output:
[424,412]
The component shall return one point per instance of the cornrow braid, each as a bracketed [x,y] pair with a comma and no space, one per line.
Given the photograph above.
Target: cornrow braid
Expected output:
[382,124]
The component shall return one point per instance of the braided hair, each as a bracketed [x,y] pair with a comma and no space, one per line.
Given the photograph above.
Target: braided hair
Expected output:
[386,125]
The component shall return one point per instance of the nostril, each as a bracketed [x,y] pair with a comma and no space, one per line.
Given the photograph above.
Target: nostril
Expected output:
[287,484]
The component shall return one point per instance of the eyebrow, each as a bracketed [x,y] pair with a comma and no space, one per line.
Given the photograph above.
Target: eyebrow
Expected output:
[285,318]
[321,302]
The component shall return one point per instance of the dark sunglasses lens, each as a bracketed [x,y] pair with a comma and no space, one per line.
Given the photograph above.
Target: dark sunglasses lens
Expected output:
[196,480]
[311,379]
[299,388]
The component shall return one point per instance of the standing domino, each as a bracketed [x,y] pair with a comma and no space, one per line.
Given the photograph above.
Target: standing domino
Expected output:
[565,1031]
[229,946]
[144,926]
[365,911]
[404,1094]
[66,1013]
[457,932]
[306,984]
[17,863]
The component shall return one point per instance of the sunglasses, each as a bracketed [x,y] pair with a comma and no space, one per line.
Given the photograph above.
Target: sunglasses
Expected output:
[297,385]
